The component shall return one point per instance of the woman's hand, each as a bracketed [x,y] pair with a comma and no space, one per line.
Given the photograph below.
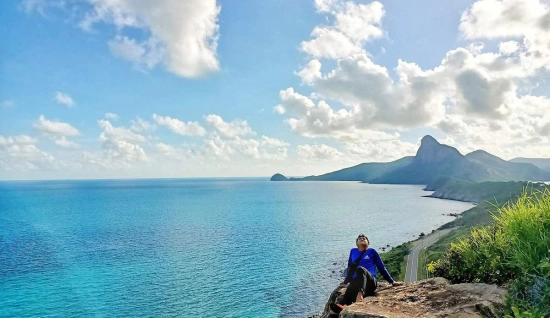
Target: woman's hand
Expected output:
[397,283]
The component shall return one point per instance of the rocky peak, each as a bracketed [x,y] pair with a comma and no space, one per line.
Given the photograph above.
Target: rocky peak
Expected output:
[432,152]
[434,297]
[427,140]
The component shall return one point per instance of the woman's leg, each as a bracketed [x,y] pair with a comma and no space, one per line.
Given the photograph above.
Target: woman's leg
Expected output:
[362,279]
[356,287]
[364,284]
[370,284]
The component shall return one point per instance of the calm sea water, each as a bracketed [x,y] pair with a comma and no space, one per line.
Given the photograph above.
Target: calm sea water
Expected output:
[193,248]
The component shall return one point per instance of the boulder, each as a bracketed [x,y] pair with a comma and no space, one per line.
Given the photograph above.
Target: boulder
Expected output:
[434,297]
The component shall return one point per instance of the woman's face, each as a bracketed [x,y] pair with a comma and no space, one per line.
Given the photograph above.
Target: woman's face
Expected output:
[362,242]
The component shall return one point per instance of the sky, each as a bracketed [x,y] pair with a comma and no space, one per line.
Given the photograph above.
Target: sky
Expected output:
[206,88]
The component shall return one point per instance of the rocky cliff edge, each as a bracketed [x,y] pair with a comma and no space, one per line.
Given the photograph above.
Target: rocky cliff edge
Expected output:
[434,297]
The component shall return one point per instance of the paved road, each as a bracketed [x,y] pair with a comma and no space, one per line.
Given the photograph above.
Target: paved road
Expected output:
[411,273]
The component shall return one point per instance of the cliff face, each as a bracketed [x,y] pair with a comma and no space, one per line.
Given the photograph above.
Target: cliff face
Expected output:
[434,297]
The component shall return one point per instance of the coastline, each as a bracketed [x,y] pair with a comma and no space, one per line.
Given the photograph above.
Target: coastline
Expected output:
[396,257]
[450,198]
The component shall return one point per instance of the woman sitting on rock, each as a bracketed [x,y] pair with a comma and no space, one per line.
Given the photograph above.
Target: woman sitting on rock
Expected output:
[361,274]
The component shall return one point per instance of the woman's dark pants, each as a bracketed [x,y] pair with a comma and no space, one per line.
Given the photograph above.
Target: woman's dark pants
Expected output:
[363,281]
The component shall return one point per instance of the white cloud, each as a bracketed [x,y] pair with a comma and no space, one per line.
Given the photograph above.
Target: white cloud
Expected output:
[179,127]
[147,54]
[311,72]
[183,34]
[19,153]
[140,125]
[65,143]
[528,20]
[279,109]
[281,154]
[265,148]
[247,147]
[482,85]
[117,133]
[57,131]
[330,44]
[219,148]
[55,128]
[503,18]
[273,142]
[64,98]
[508,47]
[354,24]
[229,129]
[380,150]
[327,5]
[318,152]
[371,98]
[291,100]
[123,151]
[175,153]
[16,140]
[111,116]
[120,148]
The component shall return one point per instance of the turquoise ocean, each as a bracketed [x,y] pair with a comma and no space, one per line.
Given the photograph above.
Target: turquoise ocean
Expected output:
[193,247]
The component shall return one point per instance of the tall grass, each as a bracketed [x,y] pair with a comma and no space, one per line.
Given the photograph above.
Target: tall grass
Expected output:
[514,251]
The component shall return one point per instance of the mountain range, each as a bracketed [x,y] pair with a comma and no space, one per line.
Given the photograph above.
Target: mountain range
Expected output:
[543,163]
[433,165]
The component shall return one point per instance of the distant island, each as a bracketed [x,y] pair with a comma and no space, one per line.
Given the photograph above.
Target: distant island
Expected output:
[278,177]
[436,165]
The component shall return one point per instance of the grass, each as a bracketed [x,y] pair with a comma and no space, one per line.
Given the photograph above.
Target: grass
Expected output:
[437,250]
[394,260]
[491,196]
[514,251]
[422,264]
[403,269]
[421,270]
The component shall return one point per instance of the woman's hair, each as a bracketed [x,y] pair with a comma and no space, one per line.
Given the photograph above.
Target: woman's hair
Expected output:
[362,235]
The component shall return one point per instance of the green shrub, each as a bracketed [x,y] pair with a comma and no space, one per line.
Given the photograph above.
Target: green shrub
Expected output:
[514,251]
[518,313]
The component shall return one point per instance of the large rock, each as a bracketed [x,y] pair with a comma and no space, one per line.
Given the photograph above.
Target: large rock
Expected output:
[278,177]
[434,297]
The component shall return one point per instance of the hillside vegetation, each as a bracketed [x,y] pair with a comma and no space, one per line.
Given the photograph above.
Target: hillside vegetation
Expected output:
[488,195]
[513,251]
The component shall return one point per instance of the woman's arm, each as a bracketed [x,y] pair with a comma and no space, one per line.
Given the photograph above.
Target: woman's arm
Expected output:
[346,280]
[381,267]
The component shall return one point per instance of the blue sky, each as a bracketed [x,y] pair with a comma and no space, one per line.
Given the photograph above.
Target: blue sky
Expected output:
[119,88]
